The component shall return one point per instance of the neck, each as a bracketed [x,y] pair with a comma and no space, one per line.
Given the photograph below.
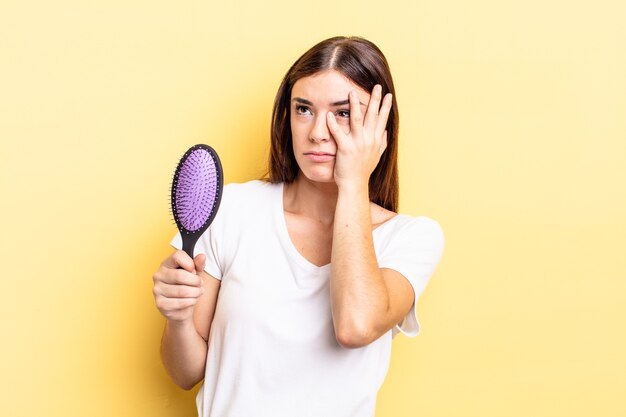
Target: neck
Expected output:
[311,199]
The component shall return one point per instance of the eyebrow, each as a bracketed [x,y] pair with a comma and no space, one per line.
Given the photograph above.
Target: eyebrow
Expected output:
[336,103]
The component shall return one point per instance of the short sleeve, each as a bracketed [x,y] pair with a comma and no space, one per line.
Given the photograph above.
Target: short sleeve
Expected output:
[237,215]
[414,249]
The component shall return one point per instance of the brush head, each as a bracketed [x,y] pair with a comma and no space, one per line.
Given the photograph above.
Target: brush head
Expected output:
[196,189]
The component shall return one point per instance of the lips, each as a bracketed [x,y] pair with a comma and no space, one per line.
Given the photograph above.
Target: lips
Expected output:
[319,156]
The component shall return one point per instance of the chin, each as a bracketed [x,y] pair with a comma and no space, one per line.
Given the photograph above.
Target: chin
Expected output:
[319,175]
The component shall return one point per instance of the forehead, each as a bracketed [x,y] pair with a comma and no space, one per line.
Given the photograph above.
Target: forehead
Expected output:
[329,85]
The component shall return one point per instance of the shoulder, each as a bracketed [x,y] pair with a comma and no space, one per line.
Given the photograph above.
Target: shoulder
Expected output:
[248,201]
[423,224]
[417,232]
[255,190]
[395,222]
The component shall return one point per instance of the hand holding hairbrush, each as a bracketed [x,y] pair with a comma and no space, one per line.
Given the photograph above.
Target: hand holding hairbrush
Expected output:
[196,193]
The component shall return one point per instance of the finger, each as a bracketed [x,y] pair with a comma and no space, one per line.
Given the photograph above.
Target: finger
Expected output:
[200,262]
[178,277]
[383,116]
[356,116]
[183,303]
[178,291]
[383,146]
[373,107]
[166,305]
[338,134]
[179,259]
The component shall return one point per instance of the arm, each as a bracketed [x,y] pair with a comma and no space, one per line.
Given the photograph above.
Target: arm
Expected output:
[365,300]
[187,300]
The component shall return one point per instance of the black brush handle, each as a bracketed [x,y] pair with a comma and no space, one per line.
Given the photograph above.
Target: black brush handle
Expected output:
[189,242]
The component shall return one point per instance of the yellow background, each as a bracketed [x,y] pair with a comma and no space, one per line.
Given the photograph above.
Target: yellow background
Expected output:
[513,136]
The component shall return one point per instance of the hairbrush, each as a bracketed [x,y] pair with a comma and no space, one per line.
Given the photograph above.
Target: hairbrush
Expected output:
[196,193]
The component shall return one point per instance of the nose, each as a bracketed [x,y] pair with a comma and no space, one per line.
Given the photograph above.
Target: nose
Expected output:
[319,131]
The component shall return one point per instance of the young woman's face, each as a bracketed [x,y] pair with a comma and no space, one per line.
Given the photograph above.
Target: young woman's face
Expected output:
[311,99]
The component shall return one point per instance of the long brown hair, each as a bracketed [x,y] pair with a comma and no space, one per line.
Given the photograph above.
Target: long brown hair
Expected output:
[365,65]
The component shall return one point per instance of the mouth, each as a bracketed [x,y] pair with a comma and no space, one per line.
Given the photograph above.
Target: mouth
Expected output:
[319,156]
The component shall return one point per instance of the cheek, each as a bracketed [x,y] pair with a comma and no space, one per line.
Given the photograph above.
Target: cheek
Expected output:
[295,133]
[345,126]
[299,130]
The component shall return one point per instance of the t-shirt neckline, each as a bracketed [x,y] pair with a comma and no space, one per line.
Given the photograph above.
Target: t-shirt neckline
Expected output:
[283,232]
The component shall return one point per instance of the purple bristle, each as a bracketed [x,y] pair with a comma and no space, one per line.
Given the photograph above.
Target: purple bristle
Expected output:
[196,189]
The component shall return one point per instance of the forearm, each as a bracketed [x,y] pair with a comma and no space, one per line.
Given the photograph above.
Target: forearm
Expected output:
[183,352]
[358,292]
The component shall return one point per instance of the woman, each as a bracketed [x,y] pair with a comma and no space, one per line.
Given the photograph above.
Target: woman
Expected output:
[315,270]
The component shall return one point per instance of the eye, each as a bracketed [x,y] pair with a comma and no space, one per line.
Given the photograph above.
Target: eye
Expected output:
[343,114]
[300,109]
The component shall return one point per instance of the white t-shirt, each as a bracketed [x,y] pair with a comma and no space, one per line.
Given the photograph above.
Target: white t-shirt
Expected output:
[272,349]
